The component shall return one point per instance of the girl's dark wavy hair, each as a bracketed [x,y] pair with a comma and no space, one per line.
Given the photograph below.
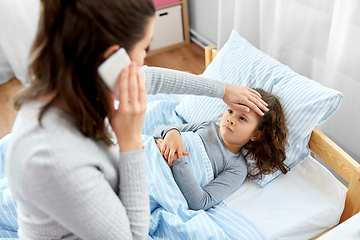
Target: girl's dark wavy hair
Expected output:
[269,150]
[71,39]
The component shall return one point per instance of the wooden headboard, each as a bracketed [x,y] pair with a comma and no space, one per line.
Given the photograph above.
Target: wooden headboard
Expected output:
[331,154]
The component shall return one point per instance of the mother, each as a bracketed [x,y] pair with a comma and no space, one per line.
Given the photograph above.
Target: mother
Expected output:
[74,175]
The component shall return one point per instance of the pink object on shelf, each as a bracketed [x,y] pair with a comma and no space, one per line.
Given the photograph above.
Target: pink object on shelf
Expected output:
[159,3]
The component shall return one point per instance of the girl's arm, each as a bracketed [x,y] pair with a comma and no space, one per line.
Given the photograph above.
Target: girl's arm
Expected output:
[160,131]
[213,193]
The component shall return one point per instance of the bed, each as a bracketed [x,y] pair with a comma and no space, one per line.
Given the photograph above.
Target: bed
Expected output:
[323,147]
[302,204]
[307,201]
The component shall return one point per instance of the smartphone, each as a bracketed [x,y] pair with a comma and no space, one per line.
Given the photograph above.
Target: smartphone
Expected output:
[111,68]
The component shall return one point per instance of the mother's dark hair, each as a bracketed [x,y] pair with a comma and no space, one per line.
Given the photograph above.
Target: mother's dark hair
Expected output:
[69,46]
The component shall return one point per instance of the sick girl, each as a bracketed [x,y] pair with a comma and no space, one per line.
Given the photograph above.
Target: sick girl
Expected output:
[262,137]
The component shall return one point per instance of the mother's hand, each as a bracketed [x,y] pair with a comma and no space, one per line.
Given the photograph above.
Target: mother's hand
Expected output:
[243,98]
[128,119]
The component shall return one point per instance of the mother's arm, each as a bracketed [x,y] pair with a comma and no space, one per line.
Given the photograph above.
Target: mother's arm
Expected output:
[162,80]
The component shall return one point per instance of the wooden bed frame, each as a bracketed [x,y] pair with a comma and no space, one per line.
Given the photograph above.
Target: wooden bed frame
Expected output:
[332,155]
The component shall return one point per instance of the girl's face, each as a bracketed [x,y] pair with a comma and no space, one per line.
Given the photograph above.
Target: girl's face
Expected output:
[238,128]
[138,53]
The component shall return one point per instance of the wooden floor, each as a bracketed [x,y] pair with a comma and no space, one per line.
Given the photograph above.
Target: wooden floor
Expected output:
[189,58]
[7,111]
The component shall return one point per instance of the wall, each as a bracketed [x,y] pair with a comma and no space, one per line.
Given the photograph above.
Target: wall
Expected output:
[203,18]
[211,17]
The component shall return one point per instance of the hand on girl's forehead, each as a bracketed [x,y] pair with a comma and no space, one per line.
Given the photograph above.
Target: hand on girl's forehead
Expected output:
[251,115]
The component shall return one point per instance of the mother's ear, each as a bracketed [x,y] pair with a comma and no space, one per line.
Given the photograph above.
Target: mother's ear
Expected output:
[257,135]
[110,50]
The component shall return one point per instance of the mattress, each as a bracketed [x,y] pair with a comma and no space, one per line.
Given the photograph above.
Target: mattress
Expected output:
[299,205]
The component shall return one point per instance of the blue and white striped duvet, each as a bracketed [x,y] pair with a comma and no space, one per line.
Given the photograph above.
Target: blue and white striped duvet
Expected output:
[8,215]
[170,217]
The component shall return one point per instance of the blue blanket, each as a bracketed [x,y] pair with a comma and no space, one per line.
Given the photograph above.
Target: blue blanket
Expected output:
[170,217]
[8,216]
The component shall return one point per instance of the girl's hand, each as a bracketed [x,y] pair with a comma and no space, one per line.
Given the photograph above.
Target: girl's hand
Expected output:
[243,98]
[128,119]
[171,147]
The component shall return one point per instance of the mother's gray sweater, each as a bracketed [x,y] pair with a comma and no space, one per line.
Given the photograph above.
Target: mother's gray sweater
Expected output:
[69,186]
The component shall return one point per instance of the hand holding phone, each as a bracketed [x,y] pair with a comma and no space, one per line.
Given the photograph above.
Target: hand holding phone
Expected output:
[111,68]
[127,120]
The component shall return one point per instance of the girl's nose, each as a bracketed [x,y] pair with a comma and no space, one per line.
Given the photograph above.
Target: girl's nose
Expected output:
[229,120]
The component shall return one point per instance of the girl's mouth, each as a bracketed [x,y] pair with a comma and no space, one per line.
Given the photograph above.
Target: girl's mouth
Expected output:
[227,127]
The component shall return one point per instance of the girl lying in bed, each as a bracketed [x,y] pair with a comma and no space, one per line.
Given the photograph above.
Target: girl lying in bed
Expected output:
[262,137]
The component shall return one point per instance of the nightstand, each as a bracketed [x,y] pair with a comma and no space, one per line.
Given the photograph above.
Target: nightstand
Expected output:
[171,26]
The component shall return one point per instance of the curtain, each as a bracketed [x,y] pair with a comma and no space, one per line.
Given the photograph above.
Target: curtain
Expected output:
[18,24]
[319,39]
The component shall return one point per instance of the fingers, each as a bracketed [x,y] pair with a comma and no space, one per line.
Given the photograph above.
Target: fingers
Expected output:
[257,106]
[133,84]
[132,87]
[142,88]
[254,92]
[244,99]
[170,157]
[159,144]
[170,162]
[179,155]
[257,96]
[159,141]
[166,153]
[246,107]
[123,84]
[254,102]
[127,120]
[169,151]
[254,107]
[111,102]
[258,101]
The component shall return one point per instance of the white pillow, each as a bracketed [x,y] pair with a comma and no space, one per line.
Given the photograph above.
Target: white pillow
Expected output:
[306,103]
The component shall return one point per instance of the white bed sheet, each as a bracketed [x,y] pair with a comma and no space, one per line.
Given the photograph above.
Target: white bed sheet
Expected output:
[299,205]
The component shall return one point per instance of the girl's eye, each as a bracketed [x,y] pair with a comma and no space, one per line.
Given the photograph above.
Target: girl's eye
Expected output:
[147,49]
[230,111]
[243,119]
